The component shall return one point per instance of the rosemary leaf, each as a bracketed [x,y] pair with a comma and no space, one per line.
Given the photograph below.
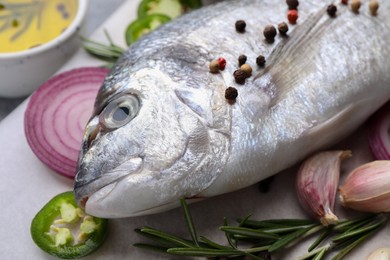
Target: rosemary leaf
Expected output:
[285,240]
[359,224]
[315,252]
[351,246]
[242,222]
[321,238]
[291,222]
[345,225]
[168,237]
[253,233]
[163,242]
[320,255]
[159,249]
[213,244]
[257,249]
[102,51]
[228,235]
[374,224]
[274,223]
[282,230]
[255,241]
[189,221]
[203,252]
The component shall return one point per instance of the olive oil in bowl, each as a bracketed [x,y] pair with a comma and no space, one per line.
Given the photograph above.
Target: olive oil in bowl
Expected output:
[25,24]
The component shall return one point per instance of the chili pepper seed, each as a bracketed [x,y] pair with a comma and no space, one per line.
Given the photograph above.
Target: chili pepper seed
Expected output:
[240,26]
[283,28]
[260,60]
[231,93]
[269,33]
[242,60]
[292,16]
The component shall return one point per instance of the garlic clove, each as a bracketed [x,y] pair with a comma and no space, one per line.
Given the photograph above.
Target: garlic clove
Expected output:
[367,188]
[382,253]
[317,182]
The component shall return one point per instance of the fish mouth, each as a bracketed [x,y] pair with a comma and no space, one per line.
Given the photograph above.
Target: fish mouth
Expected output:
[105,182]
[93,206]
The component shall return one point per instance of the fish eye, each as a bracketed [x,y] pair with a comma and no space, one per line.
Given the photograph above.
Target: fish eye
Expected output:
[120,111]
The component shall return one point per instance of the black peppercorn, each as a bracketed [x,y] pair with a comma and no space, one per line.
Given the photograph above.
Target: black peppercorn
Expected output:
[269,33]
[332,9]
[240,26]
[260,60]
[231,93]
[283,28]
[292,4]
[240,76]
[242,60]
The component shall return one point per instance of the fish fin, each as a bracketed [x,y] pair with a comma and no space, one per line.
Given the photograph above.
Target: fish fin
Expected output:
[198,100]
[295,56]
[319,135]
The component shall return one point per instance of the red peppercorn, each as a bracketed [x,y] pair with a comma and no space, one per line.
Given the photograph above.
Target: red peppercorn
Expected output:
[344,2]
[292,16]
[221,63]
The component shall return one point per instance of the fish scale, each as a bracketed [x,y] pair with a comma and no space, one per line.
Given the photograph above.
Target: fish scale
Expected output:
[181,137]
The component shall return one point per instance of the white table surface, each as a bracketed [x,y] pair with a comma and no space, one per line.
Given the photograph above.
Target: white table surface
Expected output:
[26,185]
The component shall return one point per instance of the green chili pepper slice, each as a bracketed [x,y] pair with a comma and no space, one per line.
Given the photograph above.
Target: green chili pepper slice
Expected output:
[191,4]
[62,229]
[143,25]
[170,8]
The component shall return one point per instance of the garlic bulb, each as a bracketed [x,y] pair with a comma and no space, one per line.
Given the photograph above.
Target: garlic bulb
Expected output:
[367,188]
[382,253]
[317,182]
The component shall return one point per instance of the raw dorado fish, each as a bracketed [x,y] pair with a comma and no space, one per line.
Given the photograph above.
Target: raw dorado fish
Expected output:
[162,128]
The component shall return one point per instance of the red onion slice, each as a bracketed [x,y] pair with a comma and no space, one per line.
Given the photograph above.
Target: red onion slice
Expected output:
[56,115]
[378,137]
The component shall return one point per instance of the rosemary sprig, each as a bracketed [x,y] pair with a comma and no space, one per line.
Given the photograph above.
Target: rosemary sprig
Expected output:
[106,52]
[256,238]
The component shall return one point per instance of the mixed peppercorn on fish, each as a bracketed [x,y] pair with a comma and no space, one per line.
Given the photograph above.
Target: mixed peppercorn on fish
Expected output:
[162,128]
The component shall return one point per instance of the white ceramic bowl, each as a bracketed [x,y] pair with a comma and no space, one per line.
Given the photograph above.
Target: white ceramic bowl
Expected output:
[21,73]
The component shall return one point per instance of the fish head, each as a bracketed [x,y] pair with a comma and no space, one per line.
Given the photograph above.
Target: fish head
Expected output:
[147,145]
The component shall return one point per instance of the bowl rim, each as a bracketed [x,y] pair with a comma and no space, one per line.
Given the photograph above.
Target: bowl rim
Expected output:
[72,28]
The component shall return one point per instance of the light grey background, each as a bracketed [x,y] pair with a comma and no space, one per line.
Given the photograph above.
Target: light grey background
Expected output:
[98,11]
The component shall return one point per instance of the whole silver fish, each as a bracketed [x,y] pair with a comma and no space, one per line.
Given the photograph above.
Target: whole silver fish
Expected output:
[162,128]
